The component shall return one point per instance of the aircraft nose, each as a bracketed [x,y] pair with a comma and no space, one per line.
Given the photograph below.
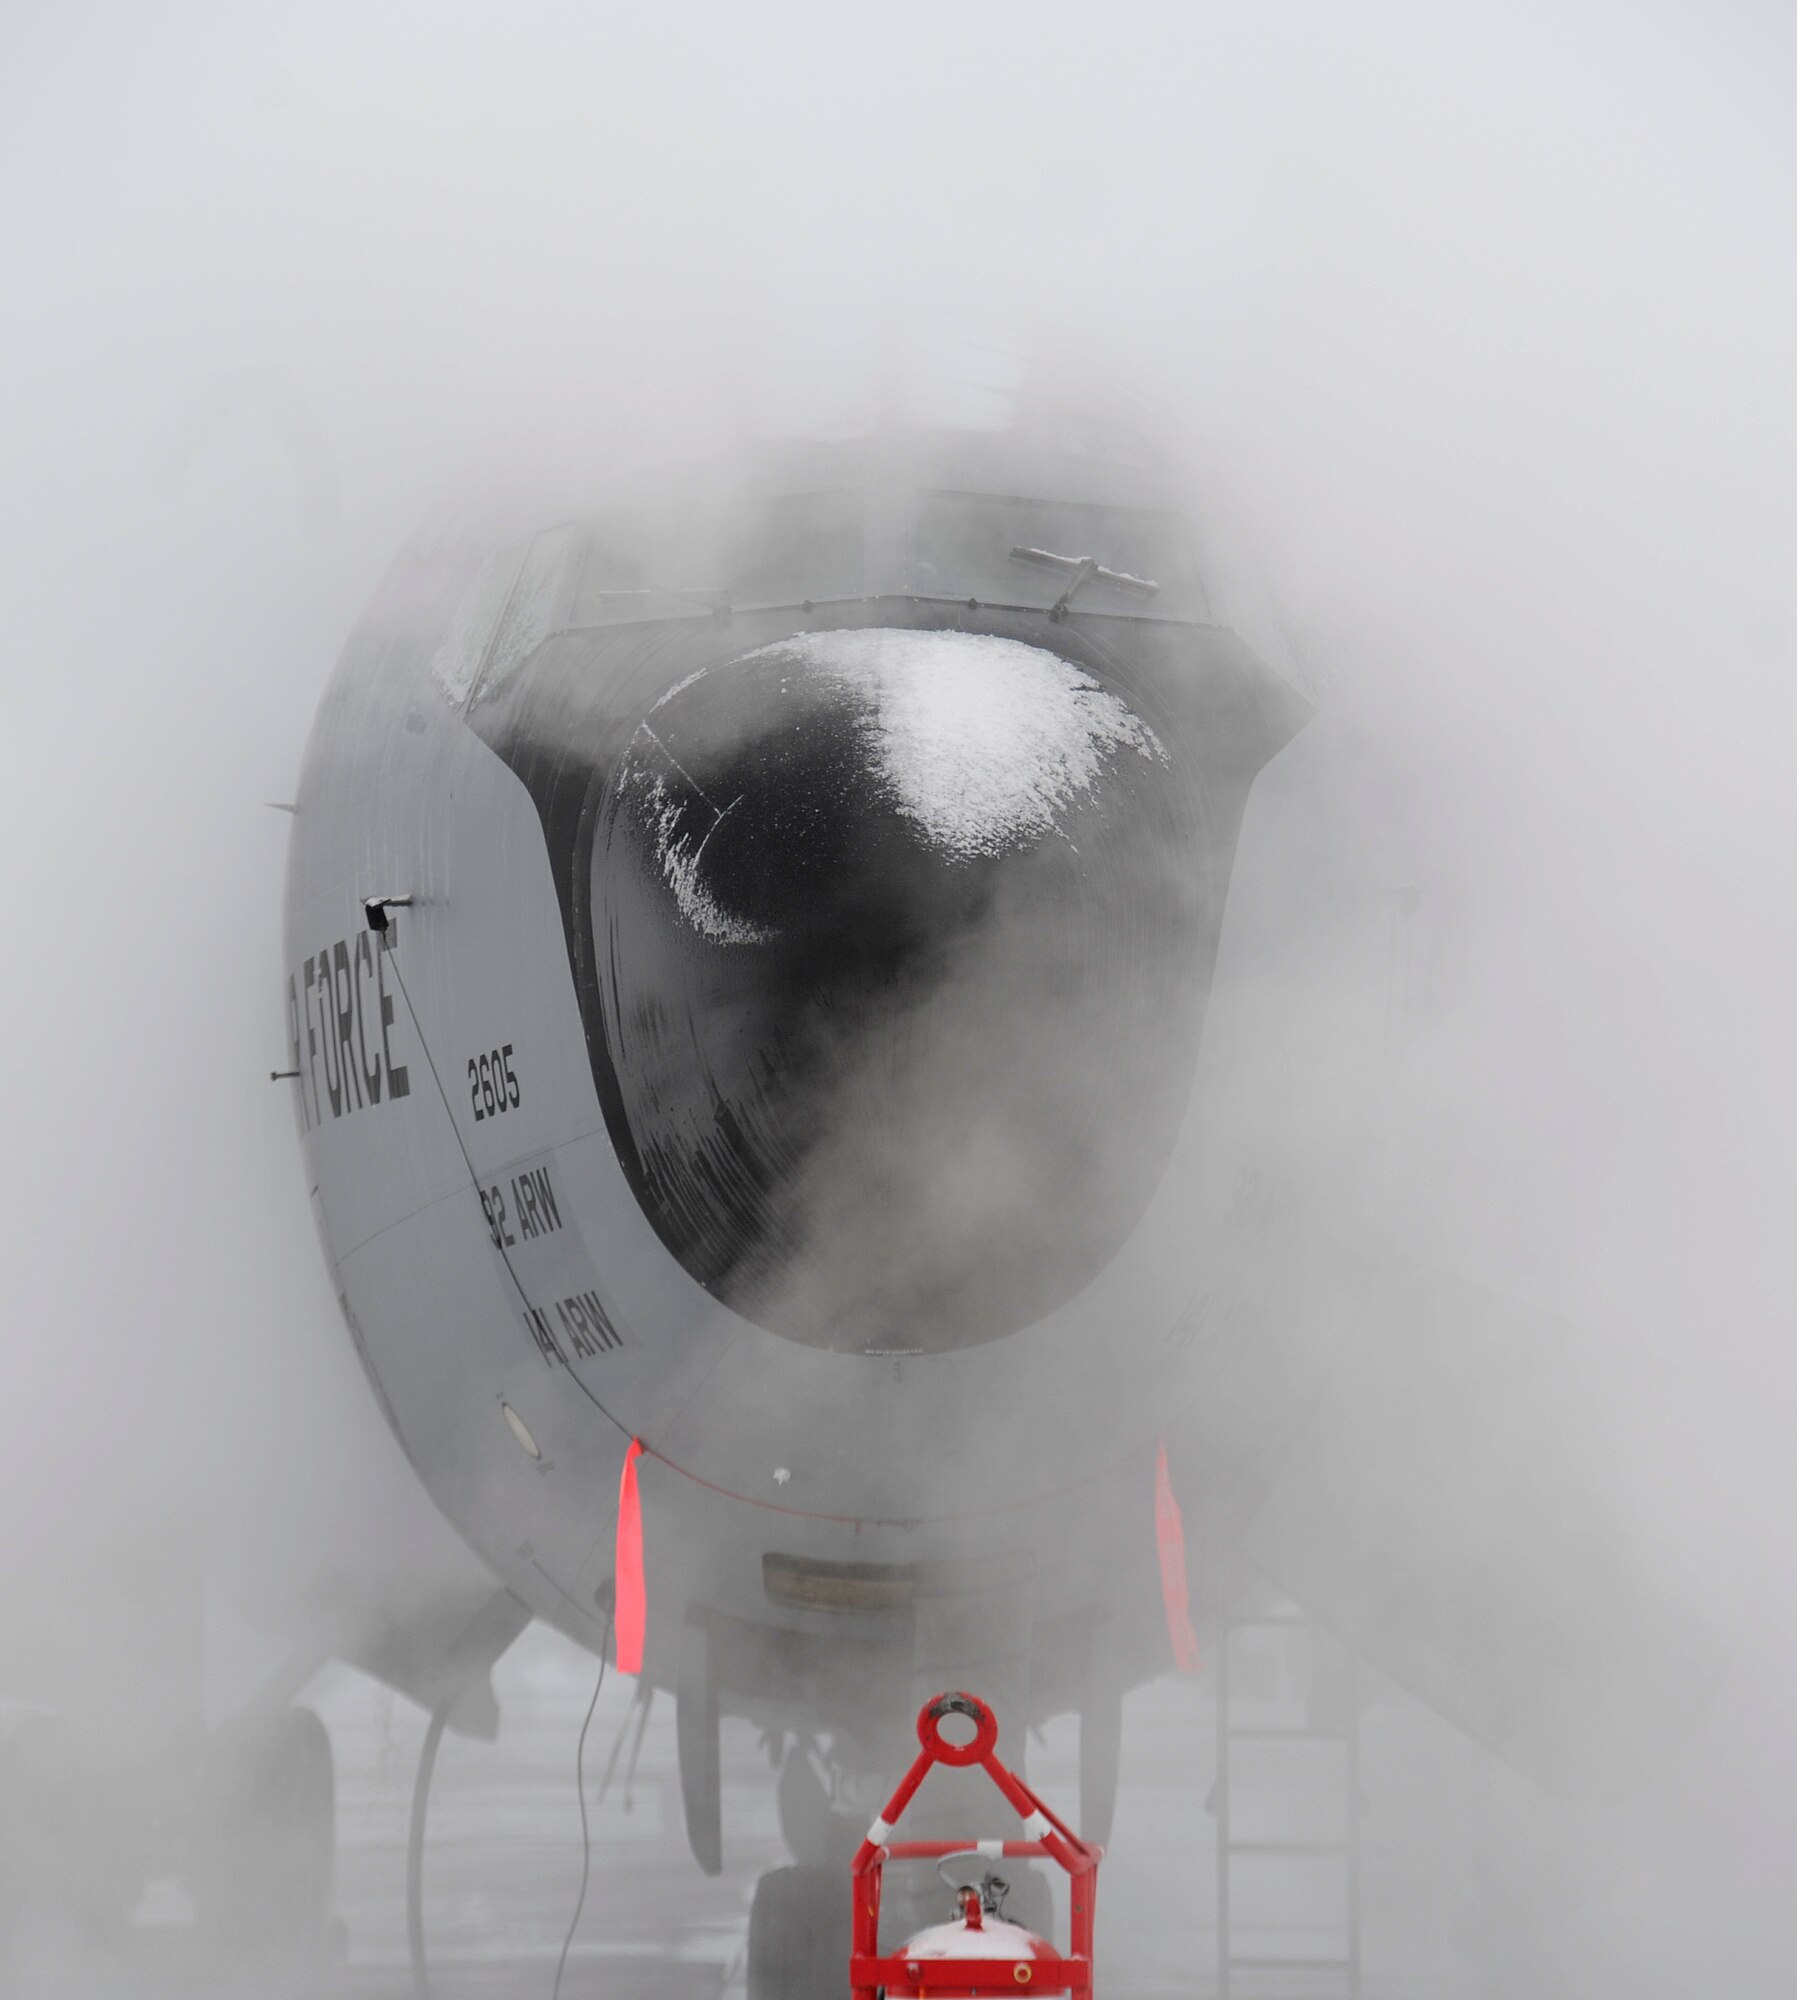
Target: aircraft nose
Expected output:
[897,966]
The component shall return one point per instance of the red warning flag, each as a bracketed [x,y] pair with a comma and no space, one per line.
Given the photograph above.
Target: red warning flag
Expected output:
[632,1594]
[1170,1539]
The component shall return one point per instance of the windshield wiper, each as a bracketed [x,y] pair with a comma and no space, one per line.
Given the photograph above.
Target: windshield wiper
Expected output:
[1079,571]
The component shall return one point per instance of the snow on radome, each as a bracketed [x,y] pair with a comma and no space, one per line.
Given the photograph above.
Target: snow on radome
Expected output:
[983,740]
[980,741]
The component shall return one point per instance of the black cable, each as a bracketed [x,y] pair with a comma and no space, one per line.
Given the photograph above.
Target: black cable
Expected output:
[421,1792]
[586,1839]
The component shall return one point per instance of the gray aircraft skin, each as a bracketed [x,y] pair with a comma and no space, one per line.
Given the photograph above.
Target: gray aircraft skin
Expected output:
[750,964]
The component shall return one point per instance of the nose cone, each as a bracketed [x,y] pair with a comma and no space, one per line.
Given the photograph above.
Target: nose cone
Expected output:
[897,941]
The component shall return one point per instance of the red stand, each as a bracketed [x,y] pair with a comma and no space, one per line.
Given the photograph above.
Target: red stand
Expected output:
[908,1978]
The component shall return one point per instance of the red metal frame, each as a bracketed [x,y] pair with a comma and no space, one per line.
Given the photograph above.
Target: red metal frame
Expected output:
[1051,1972]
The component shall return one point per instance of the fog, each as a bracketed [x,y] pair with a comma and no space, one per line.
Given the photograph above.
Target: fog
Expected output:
[1475,327]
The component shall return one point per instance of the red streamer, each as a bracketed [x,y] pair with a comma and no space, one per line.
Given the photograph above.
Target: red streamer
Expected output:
[1170,1540]
[632,1602]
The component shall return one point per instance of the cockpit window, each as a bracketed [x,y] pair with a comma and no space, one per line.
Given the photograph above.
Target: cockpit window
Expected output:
[691,554]
[834,543]
[790,546]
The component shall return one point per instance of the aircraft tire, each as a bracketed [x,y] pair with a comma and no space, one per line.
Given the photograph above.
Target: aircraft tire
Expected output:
[263,1861]
[799,1935]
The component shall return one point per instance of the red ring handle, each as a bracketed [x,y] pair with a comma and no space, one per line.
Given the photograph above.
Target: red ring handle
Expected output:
[929,1728]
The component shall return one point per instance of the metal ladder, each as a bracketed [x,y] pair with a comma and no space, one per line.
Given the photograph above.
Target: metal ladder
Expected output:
[1346,1849]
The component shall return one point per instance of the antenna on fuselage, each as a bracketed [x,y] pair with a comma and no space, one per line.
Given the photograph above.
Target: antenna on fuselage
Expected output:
[375,909]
